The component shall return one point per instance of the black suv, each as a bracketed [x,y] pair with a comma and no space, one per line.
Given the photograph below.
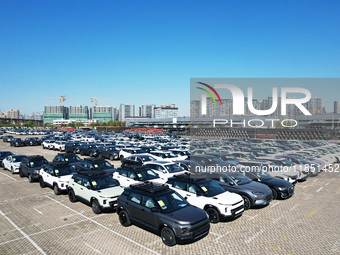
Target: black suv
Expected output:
[70,158]
[32,141]
[108,152]
[30,167]
[17,142]
[162,211]
[96,164]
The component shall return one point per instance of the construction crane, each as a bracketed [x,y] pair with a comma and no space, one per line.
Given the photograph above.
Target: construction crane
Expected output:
[96,100]
[62,99]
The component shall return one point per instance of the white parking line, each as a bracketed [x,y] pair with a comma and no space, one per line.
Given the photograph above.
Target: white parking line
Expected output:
[275,204]
[218,238]
[101,225]
[291,209]
[94,249]
[23,233]
[89,233]
[252,217]
[327,183]
[277,219]
[37,210]
[305,186]
[254,236]
[319,189]
[9,176]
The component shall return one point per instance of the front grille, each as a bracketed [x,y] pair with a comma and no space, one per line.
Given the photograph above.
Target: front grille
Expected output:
[233,211]
[201,229]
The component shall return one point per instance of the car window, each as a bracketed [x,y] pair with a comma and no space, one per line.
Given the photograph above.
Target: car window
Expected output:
[124,173]
[180,185]
[192,188]
[86,183]
[78,180]
[148,202]
[132,175]
[135,197]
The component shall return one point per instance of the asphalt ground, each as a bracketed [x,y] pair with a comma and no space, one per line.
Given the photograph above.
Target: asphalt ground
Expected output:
[35,221]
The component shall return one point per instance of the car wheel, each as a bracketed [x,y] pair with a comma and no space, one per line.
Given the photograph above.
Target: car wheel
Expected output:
[100,155]
[12,170]
[91,154]
[60,149]
[112,157]
[3,165]
[75,151]
[30,179]
[121,157]
[124,218]
[168,236]
[56,189]
[96,207]
[247,203]
[274,193]
[214,217]
[71,196]
[42,183]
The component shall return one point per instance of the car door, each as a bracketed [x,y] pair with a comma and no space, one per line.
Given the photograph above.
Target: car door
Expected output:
[135,207]
[6,162]
[76,185]
[146,214]
[181,188]
[122,178]
[49,175]
[86,189]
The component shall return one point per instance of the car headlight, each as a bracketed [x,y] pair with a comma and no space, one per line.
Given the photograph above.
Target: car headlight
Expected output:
[257,193]
[184,230]
[281,188]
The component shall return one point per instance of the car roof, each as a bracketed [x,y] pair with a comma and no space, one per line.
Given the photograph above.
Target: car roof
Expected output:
[151,188]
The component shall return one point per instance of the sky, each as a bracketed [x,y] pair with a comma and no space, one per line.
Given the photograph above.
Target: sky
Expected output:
[143,52]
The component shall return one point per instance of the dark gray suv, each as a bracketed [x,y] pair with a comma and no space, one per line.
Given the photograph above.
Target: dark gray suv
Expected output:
[162,211]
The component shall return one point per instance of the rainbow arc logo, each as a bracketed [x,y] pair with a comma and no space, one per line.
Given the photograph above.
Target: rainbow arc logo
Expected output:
[209,93]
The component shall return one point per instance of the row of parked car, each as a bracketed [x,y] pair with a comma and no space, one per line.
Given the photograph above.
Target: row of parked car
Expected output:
[161,185]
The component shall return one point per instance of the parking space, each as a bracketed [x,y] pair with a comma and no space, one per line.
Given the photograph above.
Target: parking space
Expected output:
[35,221]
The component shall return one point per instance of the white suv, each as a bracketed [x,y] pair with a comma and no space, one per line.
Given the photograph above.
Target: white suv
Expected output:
[95,188]
[165,169]
[208,195]
[56,176]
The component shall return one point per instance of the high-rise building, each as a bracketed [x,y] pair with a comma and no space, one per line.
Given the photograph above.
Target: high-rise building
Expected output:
[314,105]
[337,107]
[166,111]
[79,112]
[115,114]
[101,113]
[13,114]
[126,110]
[147,111]
[54,112]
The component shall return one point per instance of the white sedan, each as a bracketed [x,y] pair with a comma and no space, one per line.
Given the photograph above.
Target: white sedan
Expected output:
[12,163]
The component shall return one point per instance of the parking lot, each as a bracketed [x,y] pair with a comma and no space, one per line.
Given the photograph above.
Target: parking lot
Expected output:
[35,221]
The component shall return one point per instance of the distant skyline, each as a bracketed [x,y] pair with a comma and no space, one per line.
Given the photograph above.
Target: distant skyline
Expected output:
[146,52]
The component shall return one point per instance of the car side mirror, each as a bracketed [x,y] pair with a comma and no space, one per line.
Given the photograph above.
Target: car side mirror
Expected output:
[164,172]
[231,183]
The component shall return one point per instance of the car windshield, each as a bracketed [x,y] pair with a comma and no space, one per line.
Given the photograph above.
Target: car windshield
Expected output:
[226,158]
[145,175]
[211,188]
[37,162]
[173,168]
[103,182]
[64,170]
[147,158]
[262,175]
[18,158]
[239,178]
[171,202]
[102,165]
[168,155]
[74,158]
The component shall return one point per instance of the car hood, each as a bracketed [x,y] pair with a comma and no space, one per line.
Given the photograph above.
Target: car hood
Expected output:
[229,198]
[111,192]
[255,186]
[65,178]
[276,182]
[188,215]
